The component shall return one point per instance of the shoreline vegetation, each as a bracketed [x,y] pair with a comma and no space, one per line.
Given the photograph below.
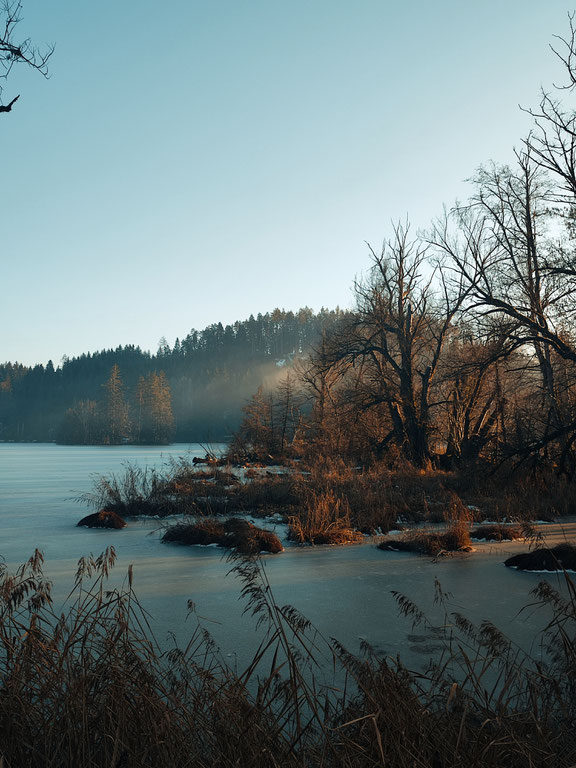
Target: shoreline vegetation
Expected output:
[329,502]
[483,703]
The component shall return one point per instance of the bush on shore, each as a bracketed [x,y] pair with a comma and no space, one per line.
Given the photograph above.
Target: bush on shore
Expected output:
[325,519]
[136,492]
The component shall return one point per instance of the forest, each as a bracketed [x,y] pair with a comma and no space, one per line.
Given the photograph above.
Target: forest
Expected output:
[191,391]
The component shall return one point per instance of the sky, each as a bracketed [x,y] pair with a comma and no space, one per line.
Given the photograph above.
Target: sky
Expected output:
[196,161]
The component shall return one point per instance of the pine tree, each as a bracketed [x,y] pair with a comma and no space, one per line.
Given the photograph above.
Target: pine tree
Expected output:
[115,421]
[155,424]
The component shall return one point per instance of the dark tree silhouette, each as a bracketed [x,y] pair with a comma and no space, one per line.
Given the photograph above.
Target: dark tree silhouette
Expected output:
[15,51]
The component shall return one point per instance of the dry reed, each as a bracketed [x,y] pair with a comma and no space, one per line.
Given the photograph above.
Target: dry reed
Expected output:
[325,519]
[89,687]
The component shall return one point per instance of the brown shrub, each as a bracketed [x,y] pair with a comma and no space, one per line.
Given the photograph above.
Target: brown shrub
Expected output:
[269,493]
[528,496]
[498,532]
[233,533]
[204,532]
[456,538]
[325,519]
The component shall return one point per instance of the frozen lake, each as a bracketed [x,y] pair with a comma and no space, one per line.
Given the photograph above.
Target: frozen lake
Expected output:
[344,591]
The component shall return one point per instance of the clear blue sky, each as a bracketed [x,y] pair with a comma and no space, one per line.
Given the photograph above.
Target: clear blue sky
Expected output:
[196,161]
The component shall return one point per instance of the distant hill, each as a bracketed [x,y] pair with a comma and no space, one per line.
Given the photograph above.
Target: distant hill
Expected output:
[211,374]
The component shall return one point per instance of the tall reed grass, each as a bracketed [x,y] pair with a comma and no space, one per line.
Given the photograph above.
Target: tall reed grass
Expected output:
[324,519]
[89,686]
[136,491]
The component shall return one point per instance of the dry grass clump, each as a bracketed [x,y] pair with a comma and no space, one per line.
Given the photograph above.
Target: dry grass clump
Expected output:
[420,496]
[482,704]
[89,687]
[558,558]
[366,490]
[185,479]
[180,488]
[234,533]
[498,532]
[325,519]
[456,538]
[375,497]
[531,499]
[531,496]
[213,506]
[272,493]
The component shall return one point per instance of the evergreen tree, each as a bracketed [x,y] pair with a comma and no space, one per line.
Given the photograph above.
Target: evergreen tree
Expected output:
[155,425]
[115,421]
[212,372]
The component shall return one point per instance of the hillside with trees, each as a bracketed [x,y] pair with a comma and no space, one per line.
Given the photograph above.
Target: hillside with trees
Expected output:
[192,391]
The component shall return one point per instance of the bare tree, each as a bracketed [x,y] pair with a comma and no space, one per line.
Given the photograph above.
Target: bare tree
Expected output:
[512,267]
[474,379]
[333,414]
[404,315]
[18,51]
[552,143]
[289,414]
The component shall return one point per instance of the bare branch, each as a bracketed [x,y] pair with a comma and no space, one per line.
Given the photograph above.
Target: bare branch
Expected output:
[13,51]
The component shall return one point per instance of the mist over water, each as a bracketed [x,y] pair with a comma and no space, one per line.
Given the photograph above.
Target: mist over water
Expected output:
[344,591]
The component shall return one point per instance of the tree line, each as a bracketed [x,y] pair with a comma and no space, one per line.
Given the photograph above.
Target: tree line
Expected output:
[114,420]
[210,375]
